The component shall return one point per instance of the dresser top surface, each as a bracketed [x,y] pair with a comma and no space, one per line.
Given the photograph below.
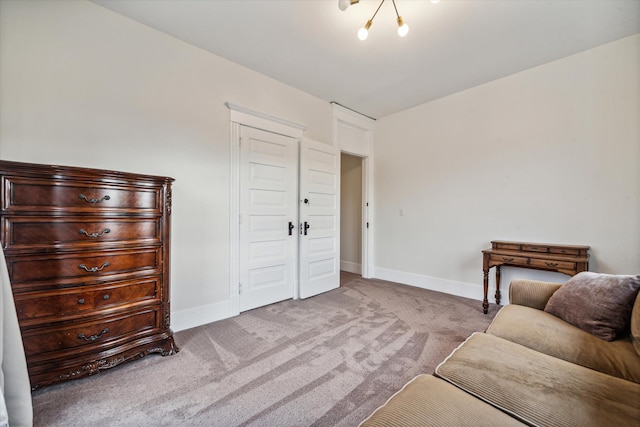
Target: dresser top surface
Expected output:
[72,172]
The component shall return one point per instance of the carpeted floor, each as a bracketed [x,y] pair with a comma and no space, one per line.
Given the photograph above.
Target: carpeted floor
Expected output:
[329,360]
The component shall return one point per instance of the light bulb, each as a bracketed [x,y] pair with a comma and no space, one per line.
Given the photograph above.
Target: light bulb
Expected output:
[363,32]
[344,4]
[403,28]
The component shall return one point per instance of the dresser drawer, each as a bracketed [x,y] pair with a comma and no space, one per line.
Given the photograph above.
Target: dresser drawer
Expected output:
[36,307]
[41,233]
[510,259]
[506,246]
[565,251]
[40,195]
[102,332]
[79,267]
[548,264]
[535,248]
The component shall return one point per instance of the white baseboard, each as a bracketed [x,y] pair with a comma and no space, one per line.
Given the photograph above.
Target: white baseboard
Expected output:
[351,267]
[466,290]
[197,316]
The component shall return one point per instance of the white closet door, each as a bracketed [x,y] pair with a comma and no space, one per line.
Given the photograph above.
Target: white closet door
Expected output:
[268,217]
[319,218]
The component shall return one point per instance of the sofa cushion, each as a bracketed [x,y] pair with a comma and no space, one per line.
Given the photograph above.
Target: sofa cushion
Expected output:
[635,324]
[428,401]
[14,377]
[537,388]
[551,335]
[598,303]
[531,293]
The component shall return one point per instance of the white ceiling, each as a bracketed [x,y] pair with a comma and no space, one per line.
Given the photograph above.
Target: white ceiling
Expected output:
[451,46]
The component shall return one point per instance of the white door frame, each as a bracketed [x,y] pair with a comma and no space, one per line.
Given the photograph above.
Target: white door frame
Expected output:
[360,147]
[364,217]
[240,116]
[366,223]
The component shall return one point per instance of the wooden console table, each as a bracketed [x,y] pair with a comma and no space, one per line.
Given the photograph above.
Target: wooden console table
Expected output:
[567,259]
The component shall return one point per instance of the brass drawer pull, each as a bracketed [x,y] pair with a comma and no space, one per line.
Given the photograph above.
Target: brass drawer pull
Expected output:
[93,337]
[98,234]
[86,199]
[505,259]
[551,264]
[93,269]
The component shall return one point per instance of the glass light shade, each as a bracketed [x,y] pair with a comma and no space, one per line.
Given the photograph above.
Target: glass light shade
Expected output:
[363,33]
[344,4]
[403,28]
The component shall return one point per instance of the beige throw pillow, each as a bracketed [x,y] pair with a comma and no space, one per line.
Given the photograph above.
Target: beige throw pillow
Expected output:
[600,304]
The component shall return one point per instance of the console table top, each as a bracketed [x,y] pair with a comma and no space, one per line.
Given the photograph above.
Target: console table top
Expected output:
[495,243]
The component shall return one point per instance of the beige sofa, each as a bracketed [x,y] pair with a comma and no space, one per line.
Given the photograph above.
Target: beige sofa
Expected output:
[531,367]
[15,400]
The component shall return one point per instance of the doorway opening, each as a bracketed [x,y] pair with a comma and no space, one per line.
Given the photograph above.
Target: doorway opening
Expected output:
[352,210]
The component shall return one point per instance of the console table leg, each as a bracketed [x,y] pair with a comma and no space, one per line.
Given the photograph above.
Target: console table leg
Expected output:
[498,285]
[485,301]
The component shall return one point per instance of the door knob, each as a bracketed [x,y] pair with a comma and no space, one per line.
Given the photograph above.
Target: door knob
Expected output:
[291,227]
[306,201]
[306,227]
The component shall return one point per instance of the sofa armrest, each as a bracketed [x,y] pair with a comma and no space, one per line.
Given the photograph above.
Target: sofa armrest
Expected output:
[531,293]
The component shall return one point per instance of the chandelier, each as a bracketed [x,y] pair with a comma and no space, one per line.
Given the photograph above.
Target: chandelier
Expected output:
[363,33]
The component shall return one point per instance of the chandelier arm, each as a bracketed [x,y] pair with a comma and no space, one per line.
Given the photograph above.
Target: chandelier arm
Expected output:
[396,8]
[379,6]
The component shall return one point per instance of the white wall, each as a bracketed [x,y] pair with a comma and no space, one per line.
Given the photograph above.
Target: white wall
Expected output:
[351,213]
[550,154]
[546,155]
[81,85]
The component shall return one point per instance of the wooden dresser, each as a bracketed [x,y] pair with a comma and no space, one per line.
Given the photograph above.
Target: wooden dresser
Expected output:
[567,259]
[88,258]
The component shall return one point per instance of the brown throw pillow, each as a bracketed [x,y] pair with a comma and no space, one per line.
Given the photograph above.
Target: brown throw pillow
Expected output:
[597,303]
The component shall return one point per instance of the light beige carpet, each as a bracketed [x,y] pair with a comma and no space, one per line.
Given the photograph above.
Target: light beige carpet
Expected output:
[329,360]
